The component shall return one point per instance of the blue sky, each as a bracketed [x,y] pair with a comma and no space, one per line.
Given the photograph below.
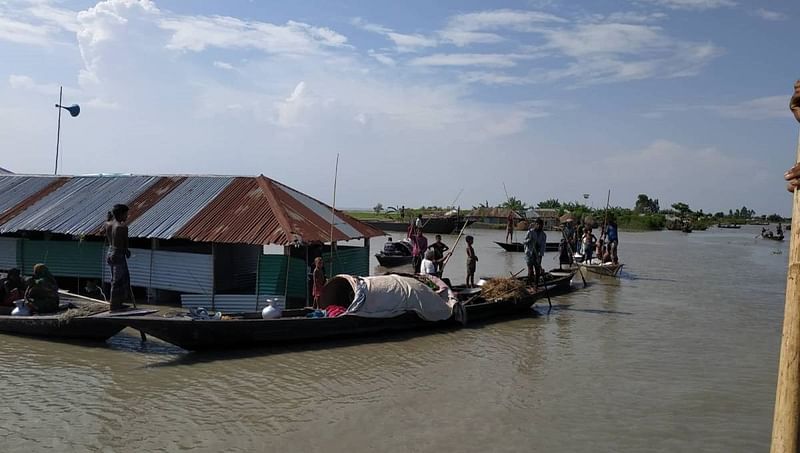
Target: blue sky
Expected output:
[685,100]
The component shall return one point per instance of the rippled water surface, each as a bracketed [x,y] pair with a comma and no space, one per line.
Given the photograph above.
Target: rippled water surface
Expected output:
[679,354]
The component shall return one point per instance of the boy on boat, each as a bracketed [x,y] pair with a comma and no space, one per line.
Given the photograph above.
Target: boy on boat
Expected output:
[472,262]
[612,238]
[318,280]
[419,243]
[42,293]
[535,245]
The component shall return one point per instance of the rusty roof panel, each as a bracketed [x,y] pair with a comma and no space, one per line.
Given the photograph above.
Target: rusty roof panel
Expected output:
[240,214]
[177,207]
[23,202]
[79,206]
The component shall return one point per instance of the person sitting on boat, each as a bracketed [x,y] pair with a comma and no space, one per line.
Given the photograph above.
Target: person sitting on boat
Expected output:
[429,265]
[535,245]
[12,288]
[92,290]
[318,280]
[418,223]
[439,248]
[612,237]
[779,230]
[42,293]
[510,227]
[419,244]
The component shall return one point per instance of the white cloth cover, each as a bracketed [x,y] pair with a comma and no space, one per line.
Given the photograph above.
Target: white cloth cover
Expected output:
[387,296]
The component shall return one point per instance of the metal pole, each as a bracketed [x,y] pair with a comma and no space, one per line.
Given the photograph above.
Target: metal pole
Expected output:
[333,208]
[787,396]
[58,131]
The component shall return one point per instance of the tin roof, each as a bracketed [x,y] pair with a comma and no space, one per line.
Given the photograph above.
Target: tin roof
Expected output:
[222,209]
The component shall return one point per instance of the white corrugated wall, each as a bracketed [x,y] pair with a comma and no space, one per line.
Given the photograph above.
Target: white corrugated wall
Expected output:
[176,271]
[231,303]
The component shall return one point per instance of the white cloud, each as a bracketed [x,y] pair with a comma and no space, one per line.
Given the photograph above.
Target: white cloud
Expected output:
[465,59]
[23,82]
[25,33]
[699,5]
[763,108]
[770,15]
[382,58]
[462,38]
[501,19]
[402,42]
[196,33]
[56,17]
[222,65]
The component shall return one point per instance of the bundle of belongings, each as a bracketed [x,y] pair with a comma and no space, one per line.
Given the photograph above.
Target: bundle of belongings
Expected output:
[388,296]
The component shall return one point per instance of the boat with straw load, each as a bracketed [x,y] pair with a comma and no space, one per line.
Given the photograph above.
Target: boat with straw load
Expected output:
[78,318]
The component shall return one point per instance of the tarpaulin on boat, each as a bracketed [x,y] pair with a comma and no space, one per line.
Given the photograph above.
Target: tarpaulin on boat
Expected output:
[387,296]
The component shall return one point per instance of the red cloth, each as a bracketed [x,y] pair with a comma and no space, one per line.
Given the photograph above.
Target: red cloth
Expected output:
[334,310]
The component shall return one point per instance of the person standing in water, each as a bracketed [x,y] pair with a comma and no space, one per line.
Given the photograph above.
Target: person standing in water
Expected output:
[116,229]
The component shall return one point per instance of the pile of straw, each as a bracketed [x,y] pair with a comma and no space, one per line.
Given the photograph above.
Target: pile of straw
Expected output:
[503,288]
[84,309]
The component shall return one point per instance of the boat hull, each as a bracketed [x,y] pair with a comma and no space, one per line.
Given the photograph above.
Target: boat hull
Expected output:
[392,260]
[519,247]
[204,334]
[90,328]
[611,271]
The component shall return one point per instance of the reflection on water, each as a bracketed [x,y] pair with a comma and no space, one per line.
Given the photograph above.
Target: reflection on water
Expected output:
[679,354]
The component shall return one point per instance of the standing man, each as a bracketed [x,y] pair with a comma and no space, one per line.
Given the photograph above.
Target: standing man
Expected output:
[439,248]
[118,253]
[612,236]
[510,226]
[419,245]
[535,243]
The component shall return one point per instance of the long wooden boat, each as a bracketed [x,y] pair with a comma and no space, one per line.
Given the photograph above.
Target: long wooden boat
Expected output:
[608,269]
[772,238]
[249,330]
[431,225]
[520,247]
[729,226]
[393,260]
[59,325]
[556,282]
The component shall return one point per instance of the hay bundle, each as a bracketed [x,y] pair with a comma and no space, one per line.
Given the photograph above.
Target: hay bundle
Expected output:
[84,309]
[503,288]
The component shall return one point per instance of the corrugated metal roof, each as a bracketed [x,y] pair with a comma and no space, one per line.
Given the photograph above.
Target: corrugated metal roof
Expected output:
[223,209]
[164,219]
[79,206]
[15,189]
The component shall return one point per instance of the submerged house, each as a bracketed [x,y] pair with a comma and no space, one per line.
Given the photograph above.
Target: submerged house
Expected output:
[227,243]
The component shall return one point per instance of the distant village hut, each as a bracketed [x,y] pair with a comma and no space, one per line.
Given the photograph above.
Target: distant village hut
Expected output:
[495,217]
[226,243]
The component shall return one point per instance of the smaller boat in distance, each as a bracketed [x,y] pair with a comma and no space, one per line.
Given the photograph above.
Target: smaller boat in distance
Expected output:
[729,225]
[395,253]
[772,237]
[520,247]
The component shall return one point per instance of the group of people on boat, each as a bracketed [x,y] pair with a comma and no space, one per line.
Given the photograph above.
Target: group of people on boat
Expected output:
[582,243]
[768,234]
[39,291]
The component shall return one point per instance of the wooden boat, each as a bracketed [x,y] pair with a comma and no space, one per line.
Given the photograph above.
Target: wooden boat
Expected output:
[520,247]
[608,269]
[556,282]
[432,225]
[728,225]
[393,260]
[772,238]
[59,325]
[249,330]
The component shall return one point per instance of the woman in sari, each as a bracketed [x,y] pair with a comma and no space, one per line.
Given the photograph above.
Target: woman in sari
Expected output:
[42,293]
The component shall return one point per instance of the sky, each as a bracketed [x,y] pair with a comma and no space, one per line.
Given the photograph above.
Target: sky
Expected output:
[426,103]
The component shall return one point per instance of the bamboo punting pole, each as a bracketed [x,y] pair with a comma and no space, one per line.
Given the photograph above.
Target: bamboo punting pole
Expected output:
[787,398]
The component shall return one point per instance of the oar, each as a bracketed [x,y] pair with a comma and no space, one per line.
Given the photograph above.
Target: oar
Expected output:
[454,245]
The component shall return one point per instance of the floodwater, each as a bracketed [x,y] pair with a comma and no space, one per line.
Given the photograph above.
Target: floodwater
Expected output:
[679,354]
